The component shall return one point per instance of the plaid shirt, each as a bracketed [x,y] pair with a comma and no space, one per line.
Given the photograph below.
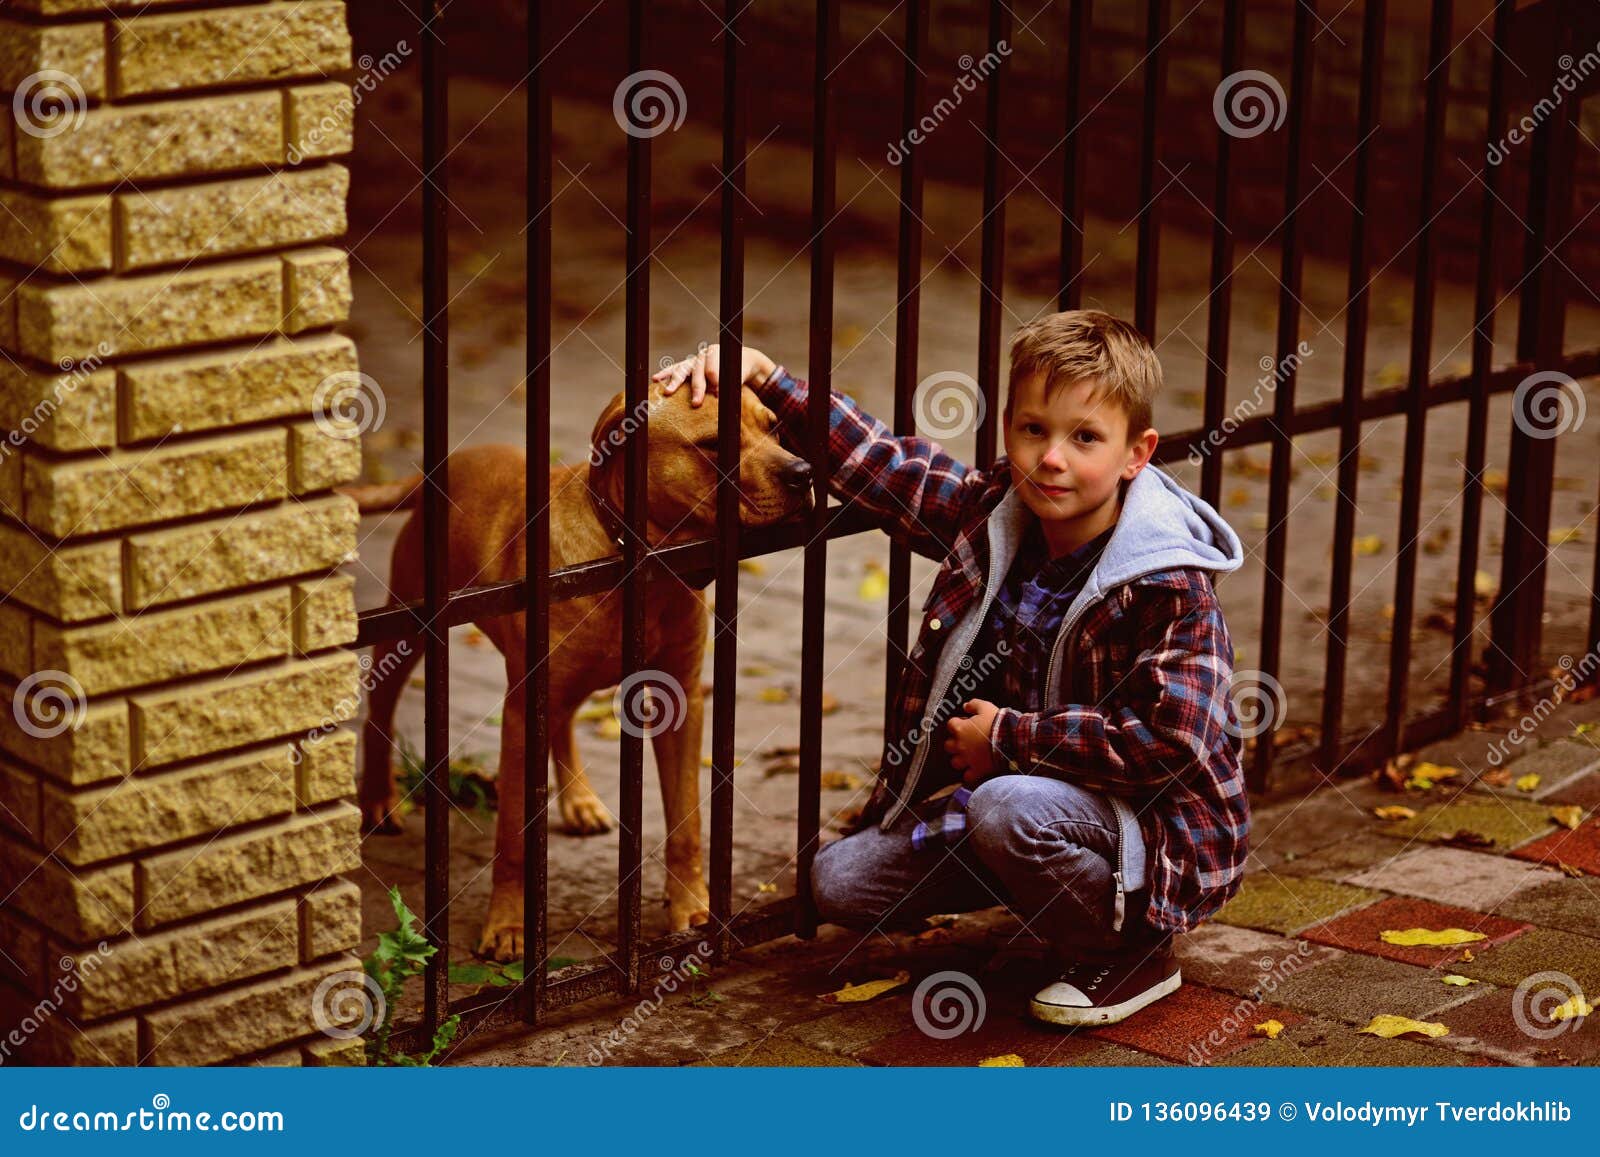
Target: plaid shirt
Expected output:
[1145,711]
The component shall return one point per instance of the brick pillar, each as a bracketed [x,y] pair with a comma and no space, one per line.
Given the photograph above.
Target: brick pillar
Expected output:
[173,785]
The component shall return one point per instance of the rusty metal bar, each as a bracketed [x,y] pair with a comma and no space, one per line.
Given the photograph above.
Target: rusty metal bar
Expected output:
[992,274]
[1219,319]
[1080,17]
[1286,371]
[1357,311]
[1157,17]
[435,516]
[824,156]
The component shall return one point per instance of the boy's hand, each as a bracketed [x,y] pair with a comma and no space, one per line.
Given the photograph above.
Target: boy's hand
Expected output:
[702,369]
[968,745]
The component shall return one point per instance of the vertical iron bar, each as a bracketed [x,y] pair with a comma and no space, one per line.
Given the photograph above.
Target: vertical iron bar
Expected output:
[1355,372]
[992,274]
[635,364]
[536,537]
[908,302]
[1079,18]
[1219,321]
[725,659]
[435,514]
[1287,373]
[1157,15]
[824,153]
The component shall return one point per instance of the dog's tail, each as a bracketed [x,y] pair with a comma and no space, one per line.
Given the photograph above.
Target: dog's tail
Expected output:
[377,497]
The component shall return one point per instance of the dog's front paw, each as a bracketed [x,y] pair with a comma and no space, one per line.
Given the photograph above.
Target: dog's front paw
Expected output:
[688,906]
[584,815]
[502,928]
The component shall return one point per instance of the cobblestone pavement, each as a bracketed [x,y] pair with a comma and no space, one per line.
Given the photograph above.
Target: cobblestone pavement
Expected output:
[1300,945]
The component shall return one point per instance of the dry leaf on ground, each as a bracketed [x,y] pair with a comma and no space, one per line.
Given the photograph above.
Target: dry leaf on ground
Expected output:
[1457,980]
[1430,937]
[1003,1061]
[1269,1029]
[1395,812]
[1568,816]
[1388,1025]
[856,993]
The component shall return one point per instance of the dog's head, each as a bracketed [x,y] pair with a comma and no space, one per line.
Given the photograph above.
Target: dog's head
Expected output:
[682,476]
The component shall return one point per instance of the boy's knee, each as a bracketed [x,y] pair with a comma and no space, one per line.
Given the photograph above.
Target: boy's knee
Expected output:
[1003,813]
[831,886]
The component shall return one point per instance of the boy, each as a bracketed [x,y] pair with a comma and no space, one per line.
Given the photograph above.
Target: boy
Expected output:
[1065,741]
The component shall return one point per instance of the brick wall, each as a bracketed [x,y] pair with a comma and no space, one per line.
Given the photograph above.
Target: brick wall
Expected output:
[171,623]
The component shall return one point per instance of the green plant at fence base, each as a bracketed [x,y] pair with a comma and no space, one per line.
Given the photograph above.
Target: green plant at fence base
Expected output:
[472,787]
[400,955]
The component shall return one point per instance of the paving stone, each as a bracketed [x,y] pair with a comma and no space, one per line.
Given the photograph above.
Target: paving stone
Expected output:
[1540,950]
[1325,1043]
[1291,828]
[1195,1025]
[1454,876]
[1355,988]
[855,1030]
[1557,764]
[775,1052]
[1583,790]
[1358,932]
[1000,1033]
[1242,960]
[1363,849]
[1578,847]
[1286,903]
[1493,1026]
[1572,905]
[1508,822]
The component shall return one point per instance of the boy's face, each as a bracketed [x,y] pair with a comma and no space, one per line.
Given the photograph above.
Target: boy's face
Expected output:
[1069,452]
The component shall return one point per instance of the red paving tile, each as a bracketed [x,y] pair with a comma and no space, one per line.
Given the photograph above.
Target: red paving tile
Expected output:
[1002,1032]
[1195,1025]
[1358,932]
[1580,848]
[1493,1022]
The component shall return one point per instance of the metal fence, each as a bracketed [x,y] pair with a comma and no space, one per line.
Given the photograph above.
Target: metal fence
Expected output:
[1533,41]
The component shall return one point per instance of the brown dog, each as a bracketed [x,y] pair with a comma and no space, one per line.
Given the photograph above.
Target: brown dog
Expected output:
[487,521]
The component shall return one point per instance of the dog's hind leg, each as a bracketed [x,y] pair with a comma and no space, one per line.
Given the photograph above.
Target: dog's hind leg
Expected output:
[392,661]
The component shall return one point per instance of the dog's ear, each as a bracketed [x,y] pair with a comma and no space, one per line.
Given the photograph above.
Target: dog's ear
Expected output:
[606,446]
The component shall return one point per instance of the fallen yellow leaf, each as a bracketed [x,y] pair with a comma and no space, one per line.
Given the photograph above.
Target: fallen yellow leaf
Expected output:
[1367,544]
[1458,981]
[1560,535]
[1395,812]
[595,709]
[1003,1061]
[1466,956]
[1387,1025]
[830,703]
[1569,816]
[874,584]
[1573,1006]
[774,695]
[1484,584]
[1438,938]
[766,887]
[1527,782]
[609,728]
[1269,1029]
[752,566]
[840,781]
[1434,771]
[1571,869]
[856,993]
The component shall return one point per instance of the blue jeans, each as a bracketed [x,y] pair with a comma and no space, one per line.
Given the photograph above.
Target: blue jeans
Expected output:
[1042,847]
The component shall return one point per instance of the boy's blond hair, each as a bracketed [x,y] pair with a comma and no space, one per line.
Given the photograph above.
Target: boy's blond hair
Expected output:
[1088,344]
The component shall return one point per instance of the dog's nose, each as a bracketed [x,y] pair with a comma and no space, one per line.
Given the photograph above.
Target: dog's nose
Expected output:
[796,475]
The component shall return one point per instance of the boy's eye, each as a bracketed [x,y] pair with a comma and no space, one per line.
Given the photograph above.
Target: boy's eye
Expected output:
[1033,428]
[1089,434]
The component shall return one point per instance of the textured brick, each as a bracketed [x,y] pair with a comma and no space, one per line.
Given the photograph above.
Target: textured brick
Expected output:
[130,315]
[244,1020]
[227,713]
[21,954]
[96,749]
[78,906]
[67,411]
[146,811]
[329,1052]
[79,50]
[159,967]
[281,1059]
[128,487]
[1359,931]
[327,767]
[202,391]
[291,539]
[16,633]
[214,134]
[317,288]
[50,1037]
[319,459]
[68,583]
[1285,904]
[57,234]
[163,645]
[324,613]
[1473,880]
[321,122]
[244,865]
[230,46]
[19,802]
[330,919]
[98,7]
[223,218]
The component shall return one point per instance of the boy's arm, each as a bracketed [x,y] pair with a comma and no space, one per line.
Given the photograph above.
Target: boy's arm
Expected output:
[918,493]
[1160,724]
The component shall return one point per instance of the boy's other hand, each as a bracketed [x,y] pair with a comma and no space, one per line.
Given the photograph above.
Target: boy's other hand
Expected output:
[968,744]
[702,370]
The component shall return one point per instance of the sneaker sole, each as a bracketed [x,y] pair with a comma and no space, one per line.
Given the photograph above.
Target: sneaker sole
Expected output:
[1110,1014]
